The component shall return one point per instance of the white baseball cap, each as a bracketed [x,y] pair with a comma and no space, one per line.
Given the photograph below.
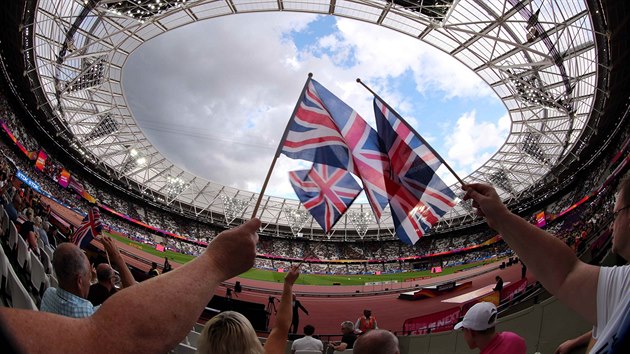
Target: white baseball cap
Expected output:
[479,317]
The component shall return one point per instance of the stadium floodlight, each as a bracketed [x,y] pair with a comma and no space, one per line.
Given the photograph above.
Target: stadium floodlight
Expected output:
[91,74]
[175,186]
[134,159]
[106,125]
[233,207]
[141,10]
[530,144]
[296,219]
[360,220]
[530,89]
[435,10]
[501,180]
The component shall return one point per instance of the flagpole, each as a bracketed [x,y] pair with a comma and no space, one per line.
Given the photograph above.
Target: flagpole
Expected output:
[413,131]
[279,150]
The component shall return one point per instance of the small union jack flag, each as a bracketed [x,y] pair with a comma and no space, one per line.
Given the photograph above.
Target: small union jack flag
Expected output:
[418,197]
[327,192]
[327,131]
[89,228]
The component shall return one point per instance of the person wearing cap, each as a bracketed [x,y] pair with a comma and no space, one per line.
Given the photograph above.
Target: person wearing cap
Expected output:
[479,332]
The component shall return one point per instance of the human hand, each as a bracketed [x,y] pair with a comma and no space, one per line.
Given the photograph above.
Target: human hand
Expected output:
[486,201]
[565,347]
[108,244]
[292,276]
[93,274]
[233,251]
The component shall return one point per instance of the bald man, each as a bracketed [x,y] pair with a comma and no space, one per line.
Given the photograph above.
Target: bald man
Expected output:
[74,274]
[377,341]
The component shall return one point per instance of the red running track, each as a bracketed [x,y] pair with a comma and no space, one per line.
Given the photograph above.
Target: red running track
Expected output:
[327,313]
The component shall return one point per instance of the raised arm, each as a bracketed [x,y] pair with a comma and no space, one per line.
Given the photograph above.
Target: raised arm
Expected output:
[302,307]
[150,317]
[117,261]
[552,262]
[278,337]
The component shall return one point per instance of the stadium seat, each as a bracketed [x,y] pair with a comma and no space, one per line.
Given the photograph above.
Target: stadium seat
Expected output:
[4,225]
[13,236]
[23,255]
[192,338]
[53,281]
[20,298]
[2,212]
[4,272]
[347,351]
[49,251]
[182,348]
[45,261]
[198,327]
[39,281]
[308,352]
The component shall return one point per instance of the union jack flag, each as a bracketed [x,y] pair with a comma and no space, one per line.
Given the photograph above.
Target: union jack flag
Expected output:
[327,131]
[327,192]
[89,228]
[418,198]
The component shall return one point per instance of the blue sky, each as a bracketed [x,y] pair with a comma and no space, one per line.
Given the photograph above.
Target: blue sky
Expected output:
[214,97]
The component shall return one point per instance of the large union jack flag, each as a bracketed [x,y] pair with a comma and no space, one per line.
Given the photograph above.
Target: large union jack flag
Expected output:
[89,228]
[327,192]
[327,131]
[418,198]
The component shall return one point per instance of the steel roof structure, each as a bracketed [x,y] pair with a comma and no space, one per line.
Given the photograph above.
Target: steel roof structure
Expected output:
[544,59]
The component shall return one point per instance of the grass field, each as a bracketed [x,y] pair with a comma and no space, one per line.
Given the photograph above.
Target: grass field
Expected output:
[307,279]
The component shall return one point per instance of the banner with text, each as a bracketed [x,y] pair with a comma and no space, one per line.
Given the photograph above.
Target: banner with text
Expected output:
[41,160]
[64,178]
[435,322]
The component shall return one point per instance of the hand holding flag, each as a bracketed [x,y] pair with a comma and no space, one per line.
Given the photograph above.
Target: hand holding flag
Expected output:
[90,227]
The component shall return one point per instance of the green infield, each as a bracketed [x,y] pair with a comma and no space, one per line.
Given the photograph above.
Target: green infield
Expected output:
[306,279]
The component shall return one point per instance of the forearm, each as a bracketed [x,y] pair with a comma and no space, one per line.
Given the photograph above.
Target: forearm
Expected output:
[552,262]
[548,257]
[128,322]
[277,339]
[125,274]
[583,340]
[145,328]
[285,315]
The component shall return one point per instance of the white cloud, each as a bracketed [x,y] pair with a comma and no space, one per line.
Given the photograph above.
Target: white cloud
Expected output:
[218,106]
[472,143]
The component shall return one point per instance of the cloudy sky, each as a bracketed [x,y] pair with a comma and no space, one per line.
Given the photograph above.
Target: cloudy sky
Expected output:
[215,97]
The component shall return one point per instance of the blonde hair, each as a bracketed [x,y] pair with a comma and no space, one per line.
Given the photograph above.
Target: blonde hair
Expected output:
[229,332]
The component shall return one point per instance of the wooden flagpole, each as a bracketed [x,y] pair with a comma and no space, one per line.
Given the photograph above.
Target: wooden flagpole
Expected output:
[279,149]
[413,131]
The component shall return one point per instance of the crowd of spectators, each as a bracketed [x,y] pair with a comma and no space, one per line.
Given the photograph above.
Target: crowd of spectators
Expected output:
[277,252]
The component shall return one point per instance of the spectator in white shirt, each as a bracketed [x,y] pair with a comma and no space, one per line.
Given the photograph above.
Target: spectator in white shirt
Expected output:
[307,342]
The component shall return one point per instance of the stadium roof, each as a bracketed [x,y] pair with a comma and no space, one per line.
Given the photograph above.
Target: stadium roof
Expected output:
[542,58]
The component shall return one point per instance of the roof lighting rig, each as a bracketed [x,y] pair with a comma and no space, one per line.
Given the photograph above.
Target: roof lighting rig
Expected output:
[141,10]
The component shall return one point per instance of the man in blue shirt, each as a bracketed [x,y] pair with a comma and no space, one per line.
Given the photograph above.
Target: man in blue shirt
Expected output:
[74,274]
